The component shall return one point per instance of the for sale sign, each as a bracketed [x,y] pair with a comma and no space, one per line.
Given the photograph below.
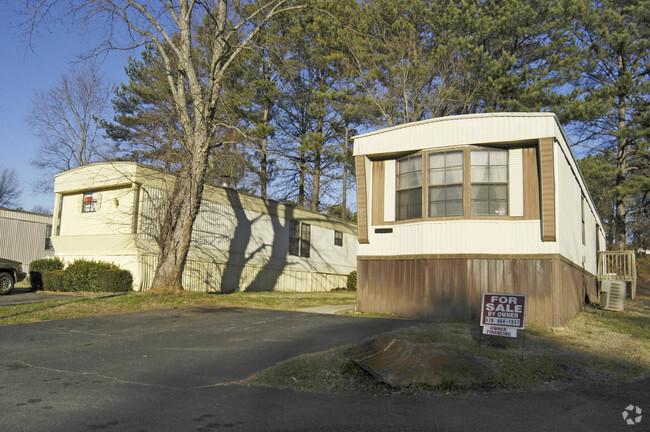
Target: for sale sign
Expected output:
[503,314]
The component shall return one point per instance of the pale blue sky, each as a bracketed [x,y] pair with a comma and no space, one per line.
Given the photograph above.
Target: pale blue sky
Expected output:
[23,72]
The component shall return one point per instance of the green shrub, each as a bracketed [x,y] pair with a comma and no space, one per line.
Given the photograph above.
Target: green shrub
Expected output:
[352,281]
[53,280]
[82,274]
[37,267]
[114,280]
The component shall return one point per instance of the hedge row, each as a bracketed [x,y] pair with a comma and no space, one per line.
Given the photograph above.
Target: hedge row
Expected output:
[81,275]
[37,267]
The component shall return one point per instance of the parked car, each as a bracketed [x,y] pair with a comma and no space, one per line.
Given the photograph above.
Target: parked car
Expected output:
[10,273]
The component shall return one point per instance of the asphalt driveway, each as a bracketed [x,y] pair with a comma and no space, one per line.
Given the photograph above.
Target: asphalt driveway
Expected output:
[27,295]
[178,370]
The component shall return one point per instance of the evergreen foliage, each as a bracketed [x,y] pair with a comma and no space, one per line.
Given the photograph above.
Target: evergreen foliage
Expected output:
[316,76]
[82,275]
[38,267]
[114,280]
[53,280]
[351,284]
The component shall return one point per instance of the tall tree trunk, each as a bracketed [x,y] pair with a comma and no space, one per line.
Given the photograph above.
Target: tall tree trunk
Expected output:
[301,180]
[621,167]
[264,174]
[179,216]
[316,180]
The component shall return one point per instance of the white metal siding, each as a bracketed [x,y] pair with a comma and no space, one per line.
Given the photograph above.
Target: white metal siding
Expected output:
[238,240]
[506,237]
[22,236]
[516,182]
[389,190]
[457,130]
[569,217]
[112,215]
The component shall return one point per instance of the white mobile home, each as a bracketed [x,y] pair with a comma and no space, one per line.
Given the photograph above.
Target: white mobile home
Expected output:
[25,236]
[453,207]
[110,211]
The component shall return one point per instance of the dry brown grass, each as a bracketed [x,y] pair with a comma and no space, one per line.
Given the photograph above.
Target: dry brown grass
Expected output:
[598,347]
[95,304]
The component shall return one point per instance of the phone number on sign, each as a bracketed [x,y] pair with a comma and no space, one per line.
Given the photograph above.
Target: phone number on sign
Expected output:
[502,321]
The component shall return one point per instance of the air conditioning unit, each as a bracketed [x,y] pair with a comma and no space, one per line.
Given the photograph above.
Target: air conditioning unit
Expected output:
[612,295]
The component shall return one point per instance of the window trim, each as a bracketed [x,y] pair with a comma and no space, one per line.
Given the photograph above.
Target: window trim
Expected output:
[445,184]
[298,244]
[48,237]
[466,149]
[422,158]
[92,203]
[338,238]
[490,183]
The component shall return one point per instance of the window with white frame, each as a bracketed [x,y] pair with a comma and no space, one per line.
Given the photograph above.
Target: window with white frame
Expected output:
[299,239]
[89,203]
[48,237]
[409,188]
[489,182]
[338,238]
[446,177]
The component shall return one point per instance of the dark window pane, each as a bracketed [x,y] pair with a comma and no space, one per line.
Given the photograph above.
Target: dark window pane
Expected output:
[480,208]
[454,208]
[294,245]
[338,238]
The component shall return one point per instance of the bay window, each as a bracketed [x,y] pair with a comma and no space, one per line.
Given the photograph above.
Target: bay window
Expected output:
[470,182]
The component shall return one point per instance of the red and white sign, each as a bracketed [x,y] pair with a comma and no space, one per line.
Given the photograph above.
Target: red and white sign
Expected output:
[503,310]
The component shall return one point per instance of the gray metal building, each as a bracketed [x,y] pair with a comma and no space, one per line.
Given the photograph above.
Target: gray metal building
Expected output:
[25,236]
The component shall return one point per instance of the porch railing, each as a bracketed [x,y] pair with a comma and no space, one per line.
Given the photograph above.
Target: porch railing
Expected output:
[618,265]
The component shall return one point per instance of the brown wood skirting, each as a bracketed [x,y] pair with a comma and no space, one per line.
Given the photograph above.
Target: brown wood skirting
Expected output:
[362,202]
[547,188]
[378,174]
[452,287]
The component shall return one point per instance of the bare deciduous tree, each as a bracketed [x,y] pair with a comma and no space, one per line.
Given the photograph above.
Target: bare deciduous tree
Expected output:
[9,190]
[198,42]
[66,119]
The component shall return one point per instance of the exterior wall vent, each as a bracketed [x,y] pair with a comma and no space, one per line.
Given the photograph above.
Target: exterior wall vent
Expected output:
[612,295]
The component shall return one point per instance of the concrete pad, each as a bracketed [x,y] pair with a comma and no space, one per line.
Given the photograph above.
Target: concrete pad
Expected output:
[331,309]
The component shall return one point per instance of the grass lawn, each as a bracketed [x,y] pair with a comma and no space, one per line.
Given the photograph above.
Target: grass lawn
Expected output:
[597,347]
[76,307]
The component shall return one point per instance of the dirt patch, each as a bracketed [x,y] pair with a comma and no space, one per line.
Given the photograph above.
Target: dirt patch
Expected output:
[401,363]
[597,347]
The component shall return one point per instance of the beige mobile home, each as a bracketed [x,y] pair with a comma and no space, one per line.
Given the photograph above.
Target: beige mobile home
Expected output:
[25,236]
[110,211]
[453,207]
